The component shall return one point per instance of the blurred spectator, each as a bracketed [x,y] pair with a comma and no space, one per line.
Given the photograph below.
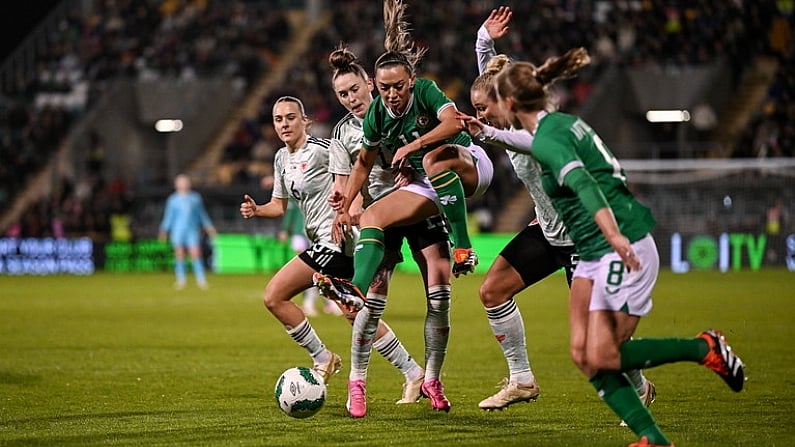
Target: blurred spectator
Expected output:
[95,156]
[123,38]
[676,33]
[240,39]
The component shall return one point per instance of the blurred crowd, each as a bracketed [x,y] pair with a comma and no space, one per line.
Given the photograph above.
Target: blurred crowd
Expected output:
[771,132]
[629,33]
[121,38]
[242,39]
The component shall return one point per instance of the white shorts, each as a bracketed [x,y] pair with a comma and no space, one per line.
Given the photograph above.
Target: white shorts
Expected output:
[422,186]
[485,169]
[618,290]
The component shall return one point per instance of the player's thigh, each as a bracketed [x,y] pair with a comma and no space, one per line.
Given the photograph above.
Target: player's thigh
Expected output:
[454,158]
[430,248]
[398,208]
[531,255]
[292,279]
[434,263]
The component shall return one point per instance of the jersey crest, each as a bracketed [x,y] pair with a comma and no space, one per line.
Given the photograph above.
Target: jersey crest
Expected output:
[423,120]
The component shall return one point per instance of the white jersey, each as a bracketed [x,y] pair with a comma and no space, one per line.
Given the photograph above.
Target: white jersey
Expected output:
[306,176]
[526,167]
[381,182]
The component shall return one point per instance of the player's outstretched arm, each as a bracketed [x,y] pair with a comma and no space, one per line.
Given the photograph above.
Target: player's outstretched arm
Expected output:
[275,208]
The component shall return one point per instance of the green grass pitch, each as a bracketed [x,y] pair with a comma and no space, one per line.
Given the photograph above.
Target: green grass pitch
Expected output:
[126,360]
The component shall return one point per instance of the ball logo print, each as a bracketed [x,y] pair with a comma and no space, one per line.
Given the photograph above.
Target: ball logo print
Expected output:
[300,392]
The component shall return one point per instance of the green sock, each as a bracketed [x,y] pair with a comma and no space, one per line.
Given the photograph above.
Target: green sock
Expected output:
[367,257]
[616,391]
[451,194]
[641,353]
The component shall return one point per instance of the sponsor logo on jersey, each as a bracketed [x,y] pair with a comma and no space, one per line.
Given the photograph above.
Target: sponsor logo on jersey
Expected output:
[448,200]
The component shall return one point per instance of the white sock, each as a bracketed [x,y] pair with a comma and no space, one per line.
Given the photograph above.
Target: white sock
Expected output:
[392,349]
[365,326]
[508,327]
[637,379]
[304,334]
[437,330]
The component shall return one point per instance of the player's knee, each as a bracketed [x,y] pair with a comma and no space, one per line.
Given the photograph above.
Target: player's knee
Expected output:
[267,300]
[490,294]
[270,298]
[376,219]
[430,165]
[600,360]
[440,159]
[369,220]
[579,358]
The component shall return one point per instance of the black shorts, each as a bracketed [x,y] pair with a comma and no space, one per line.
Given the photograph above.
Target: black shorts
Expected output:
[419,235]
[327,261]
[535,258]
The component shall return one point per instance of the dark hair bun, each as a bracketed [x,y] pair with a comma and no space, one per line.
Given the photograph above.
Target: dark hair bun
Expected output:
[341,58]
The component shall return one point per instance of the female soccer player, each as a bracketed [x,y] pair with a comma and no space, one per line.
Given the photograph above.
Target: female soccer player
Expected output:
[618,266]
[183,220]
[292,231]
[307,170]
[428,241]
[413,125]
[542,248]
[411,115]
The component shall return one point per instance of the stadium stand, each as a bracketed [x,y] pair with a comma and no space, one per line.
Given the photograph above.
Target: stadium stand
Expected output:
[82,51]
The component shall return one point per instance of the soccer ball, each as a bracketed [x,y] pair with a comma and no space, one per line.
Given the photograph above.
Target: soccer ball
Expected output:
[300,392]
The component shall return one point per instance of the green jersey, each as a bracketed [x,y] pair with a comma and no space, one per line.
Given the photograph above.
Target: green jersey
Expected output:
[581,175]
[389,132]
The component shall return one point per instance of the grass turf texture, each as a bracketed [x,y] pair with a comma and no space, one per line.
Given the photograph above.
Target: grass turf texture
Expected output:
[126,360]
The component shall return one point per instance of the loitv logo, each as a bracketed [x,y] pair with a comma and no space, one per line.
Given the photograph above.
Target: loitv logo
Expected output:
[705,252]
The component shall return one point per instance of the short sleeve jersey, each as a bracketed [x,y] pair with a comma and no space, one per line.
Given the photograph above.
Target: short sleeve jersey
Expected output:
[389,132]
[529,172]
[306,177]
[381,181]
[525,166]
[564,143]
[185,213]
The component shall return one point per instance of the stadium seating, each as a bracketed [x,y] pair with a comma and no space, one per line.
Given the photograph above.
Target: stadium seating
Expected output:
[204,38]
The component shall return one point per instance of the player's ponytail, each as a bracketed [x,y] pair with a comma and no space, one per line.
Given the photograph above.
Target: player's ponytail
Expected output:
[528,85]
[399,46]
[562,67]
